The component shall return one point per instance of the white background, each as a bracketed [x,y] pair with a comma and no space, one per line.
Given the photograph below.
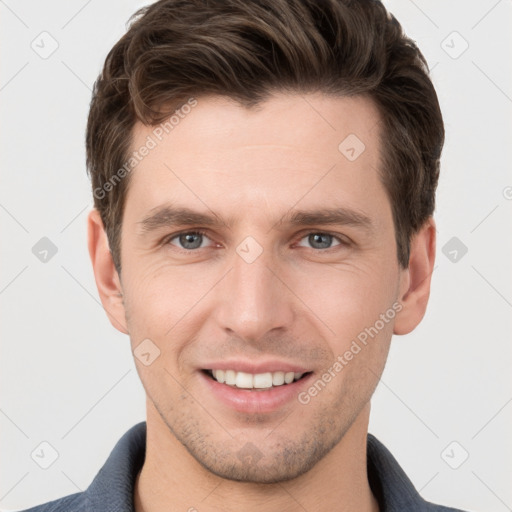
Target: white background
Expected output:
[67,376]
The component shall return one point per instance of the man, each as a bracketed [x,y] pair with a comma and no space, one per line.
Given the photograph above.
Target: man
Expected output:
[264,176]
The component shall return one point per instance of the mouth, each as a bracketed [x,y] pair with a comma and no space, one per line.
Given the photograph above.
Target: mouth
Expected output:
[254,387]
[255,381]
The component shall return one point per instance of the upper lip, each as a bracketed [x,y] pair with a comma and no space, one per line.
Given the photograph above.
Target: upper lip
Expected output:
[256,366]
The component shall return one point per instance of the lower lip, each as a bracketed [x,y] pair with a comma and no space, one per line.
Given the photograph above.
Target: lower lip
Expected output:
[255,401]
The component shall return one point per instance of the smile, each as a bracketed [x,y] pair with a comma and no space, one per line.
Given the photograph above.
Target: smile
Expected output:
[244,380]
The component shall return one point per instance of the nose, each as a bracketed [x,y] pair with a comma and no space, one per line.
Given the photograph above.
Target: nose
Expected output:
[254,298]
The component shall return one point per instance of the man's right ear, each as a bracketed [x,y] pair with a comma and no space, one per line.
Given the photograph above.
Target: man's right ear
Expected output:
[105,273]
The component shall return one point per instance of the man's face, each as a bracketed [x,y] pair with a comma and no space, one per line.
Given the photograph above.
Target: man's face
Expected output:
[257,293]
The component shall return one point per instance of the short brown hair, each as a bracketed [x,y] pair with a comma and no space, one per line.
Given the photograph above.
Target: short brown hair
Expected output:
[247,49]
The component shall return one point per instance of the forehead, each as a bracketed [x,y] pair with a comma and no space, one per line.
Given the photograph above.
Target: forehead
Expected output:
[219,123]
[289,148]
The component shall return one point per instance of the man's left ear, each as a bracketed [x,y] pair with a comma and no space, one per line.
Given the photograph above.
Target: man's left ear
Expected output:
[415,279]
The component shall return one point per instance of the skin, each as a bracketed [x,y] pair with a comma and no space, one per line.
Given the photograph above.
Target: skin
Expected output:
[300,301]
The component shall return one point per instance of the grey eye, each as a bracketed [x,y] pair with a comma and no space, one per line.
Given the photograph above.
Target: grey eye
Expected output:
[320,240]
[190,240]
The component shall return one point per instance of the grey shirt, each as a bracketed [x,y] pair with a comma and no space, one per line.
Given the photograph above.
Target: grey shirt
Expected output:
[113,487]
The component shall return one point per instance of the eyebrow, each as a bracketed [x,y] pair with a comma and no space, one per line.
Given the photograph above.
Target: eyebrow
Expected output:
[167,216]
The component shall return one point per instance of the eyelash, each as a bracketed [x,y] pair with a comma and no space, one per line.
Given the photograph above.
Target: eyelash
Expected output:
[342,241]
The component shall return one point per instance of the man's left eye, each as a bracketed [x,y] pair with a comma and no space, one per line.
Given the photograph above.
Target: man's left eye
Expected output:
[321,240]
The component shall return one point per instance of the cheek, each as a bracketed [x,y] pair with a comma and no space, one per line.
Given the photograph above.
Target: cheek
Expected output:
[350,297]
[161,297]
[162,307]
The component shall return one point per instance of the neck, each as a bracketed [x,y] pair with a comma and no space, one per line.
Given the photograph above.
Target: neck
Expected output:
[172,480]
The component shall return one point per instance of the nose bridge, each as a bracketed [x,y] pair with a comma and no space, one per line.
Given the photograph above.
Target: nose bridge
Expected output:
[254,301]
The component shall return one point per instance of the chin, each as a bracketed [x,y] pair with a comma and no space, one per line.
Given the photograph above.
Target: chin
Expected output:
[258,473]
[276,462]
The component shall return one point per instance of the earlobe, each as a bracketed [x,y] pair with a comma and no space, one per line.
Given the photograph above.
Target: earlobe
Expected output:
[105,273]
[415,280]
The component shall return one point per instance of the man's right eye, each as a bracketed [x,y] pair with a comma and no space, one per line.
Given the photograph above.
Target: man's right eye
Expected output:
[188,240]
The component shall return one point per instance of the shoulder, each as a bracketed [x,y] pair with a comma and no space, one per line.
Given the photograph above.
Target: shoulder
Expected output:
[391,486]
[113,486]
[71,503]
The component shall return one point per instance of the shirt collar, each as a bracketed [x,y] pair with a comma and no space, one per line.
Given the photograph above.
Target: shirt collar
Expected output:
[389,483]
[112,488]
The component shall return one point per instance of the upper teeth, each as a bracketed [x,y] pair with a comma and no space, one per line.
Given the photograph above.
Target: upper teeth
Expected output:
[255,380]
